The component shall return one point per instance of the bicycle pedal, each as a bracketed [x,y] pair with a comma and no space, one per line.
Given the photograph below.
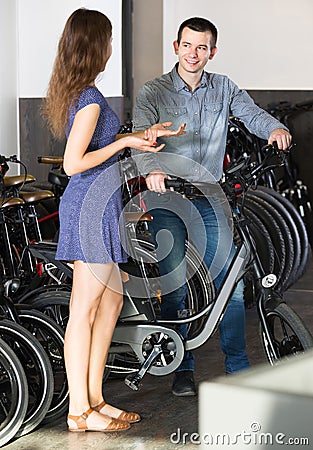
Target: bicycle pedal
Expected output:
[133,382]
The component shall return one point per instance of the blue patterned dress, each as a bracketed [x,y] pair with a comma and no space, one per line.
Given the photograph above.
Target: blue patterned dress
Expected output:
[91,219]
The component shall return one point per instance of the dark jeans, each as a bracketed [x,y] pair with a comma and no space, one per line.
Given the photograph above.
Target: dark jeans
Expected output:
[204,223]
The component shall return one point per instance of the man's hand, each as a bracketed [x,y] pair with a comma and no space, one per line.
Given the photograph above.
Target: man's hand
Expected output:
[282,137]
[155,181]
[161,129]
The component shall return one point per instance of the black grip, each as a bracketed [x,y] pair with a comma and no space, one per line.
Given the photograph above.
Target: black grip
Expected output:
[176,184]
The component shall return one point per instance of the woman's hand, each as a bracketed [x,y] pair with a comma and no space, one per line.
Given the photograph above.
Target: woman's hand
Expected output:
[161,129]
[143,145]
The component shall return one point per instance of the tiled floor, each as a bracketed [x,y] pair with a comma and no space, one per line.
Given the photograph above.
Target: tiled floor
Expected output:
[163,414]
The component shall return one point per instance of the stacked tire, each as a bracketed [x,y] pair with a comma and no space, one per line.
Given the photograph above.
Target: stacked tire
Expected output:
[280,236]
[32,373]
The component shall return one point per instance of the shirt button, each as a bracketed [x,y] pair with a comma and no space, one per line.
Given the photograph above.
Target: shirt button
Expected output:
[196,132]
[196,113]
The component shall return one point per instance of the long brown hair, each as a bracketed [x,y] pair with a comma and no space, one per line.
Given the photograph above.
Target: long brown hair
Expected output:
[82,54]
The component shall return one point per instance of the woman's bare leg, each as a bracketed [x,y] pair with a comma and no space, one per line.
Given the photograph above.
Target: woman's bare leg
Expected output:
[107,314]
[86,297]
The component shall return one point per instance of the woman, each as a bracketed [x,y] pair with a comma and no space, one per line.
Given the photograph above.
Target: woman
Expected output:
[76,108]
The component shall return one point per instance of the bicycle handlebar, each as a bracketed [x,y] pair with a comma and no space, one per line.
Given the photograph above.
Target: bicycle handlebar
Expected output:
[244,173]
[184,187]
[12,158]
[250,172]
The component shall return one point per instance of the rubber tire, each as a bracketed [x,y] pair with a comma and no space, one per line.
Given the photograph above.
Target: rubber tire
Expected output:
[289,266]
[306,250]
[285,313]
[265,252]
[260,234]
[275,233]
[31,354]
[51,337]
[12,373]
[200,288]
[53,304]
[290,223]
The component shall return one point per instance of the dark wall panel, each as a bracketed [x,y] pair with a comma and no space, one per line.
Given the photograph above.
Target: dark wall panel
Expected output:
[300,124]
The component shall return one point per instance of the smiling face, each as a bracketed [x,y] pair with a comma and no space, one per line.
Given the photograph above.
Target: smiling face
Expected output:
[193,51]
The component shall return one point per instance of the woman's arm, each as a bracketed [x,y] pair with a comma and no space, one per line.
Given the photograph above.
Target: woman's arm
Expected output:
[155,131]
[76,159]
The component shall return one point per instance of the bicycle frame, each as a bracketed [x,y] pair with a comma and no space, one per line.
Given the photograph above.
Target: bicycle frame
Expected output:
[134,333]
[157,344]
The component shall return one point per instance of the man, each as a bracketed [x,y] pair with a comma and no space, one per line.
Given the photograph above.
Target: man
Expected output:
[204,101]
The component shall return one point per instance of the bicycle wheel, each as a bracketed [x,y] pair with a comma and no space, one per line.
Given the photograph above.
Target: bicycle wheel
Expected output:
[37,369]
[306,251]
[51,337]
[275,234]
[200,288]
[260,235]
[289,266]
[53,304]
[41,290]
[288,334]
[291,225]
[13,393]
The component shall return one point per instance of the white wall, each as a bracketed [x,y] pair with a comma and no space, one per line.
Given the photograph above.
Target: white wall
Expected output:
[110,81]
[40,24]
[263,44]
[8,80]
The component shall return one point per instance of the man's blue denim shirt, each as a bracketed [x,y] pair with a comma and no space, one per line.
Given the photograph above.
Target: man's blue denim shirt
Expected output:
[206,111]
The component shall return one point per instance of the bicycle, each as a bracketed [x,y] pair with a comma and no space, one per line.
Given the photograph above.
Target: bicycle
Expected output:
[298,118]
[19,225]
[38,372]
[13,393]
[156,344]
[282,331]
[34,359]
[50,337]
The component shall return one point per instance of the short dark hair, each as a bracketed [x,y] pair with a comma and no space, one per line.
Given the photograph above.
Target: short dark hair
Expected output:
[199,24]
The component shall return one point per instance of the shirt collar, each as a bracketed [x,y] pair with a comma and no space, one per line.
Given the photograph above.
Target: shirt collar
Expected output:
[179,83]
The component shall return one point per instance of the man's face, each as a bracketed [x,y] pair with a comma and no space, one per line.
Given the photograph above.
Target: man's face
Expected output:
[194,50]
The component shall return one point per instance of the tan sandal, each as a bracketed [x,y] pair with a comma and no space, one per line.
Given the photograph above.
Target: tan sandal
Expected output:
[130,417]
[81,424]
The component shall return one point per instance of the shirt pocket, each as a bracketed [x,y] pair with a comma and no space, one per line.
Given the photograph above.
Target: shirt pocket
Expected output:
[213,116]
[177,115]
